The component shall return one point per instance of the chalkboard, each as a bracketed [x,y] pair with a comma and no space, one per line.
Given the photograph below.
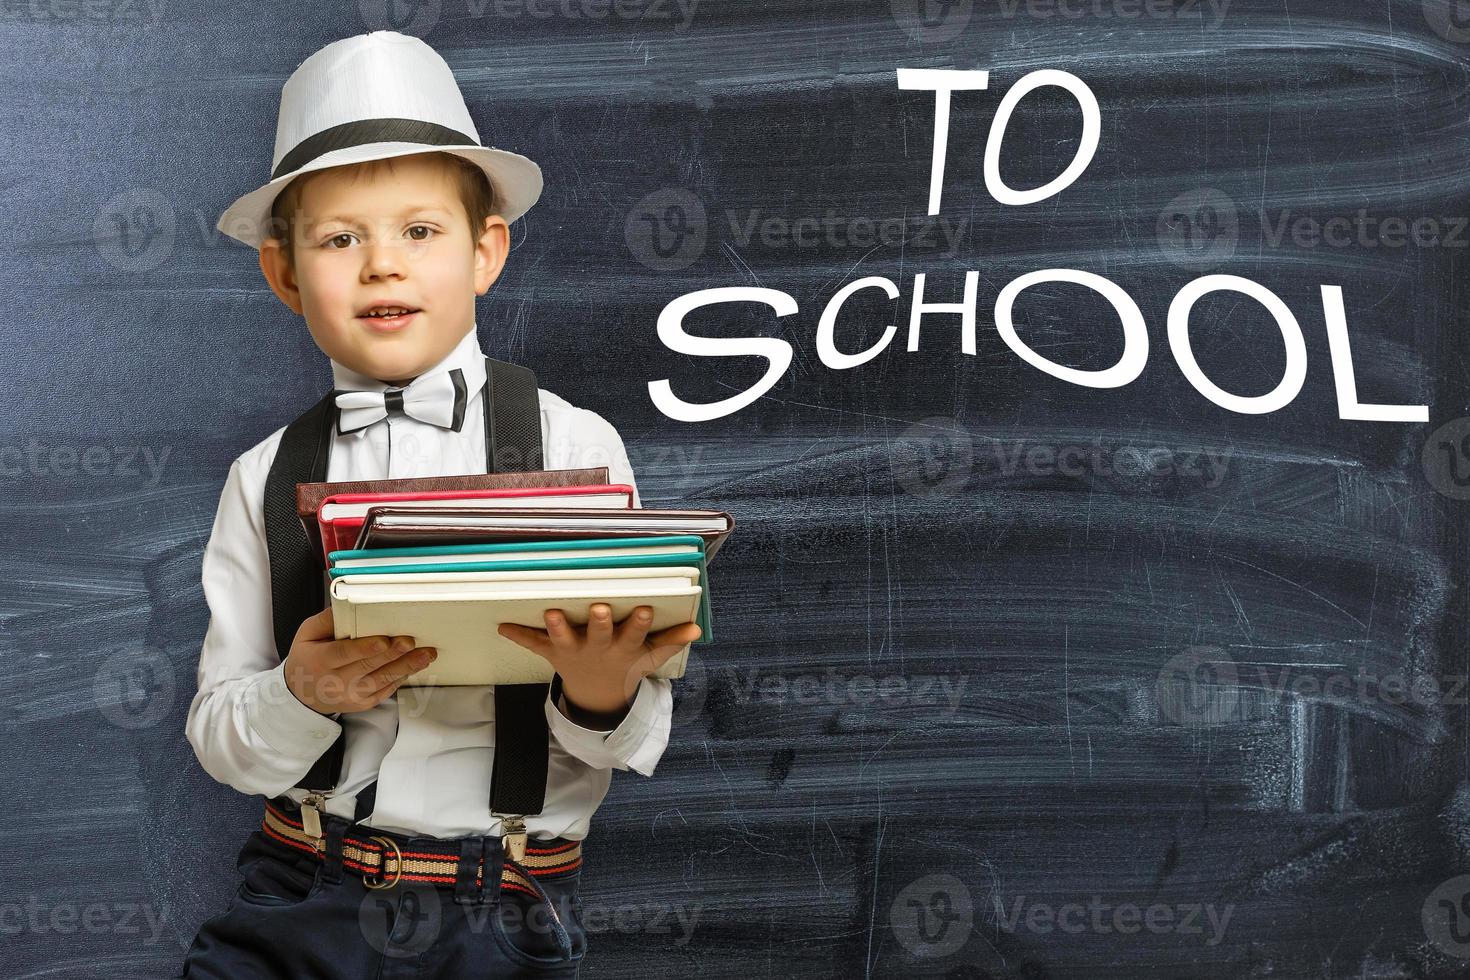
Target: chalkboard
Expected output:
[1016,677]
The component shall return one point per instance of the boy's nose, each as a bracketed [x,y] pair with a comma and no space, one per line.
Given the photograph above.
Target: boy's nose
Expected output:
[381,259]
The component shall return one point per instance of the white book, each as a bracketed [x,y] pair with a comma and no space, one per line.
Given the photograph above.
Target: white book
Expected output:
[459,612]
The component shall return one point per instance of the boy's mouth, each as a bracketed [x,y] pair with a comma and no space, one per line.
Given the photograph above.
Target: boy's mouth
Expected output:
[387,314]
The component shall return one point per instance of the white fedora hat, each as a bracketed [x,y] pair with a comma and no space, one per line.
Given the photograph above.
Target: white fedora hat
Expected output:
[371,97]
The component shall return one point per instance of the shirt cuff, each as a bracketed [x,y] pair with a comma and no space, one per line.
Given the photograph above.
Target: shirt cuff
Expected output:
[284,722]
[637,743]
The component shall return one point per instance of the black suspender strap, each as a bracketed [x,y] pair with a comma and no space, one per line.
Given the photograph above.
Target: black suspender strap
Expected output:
[512,419]
[512,443]
[297,590]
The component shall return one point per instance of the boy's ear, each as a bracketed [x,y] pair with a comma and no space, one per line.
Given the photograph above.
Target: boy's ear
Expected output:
[278,272]
[490,252]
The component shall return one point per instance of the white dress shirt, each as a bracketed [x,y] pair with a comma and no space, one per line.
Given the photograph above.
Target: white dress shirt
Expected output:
[430,749]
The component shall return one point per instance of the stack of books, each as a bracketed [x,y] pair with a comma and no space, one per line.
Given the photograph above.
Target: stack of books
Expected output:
[446,560]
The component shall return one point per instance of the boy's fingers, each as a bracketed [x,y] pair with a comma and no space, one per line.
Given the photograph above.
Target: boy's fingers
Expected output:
[652,660]
[632,630]
[558,629]
[369,658]
[599,624]
[386,692]
[399,669]
[377,650]
[318,627]
[532,639]
[665,643]
[676,635]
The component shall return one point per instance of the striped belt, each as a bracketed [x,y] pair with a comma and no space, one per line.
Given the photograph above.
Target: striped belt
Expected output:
[382,860]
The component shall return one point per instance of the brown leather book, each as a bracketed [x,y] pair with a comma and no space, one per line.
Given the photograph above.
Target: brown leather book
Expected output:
[713,526]
[309,496]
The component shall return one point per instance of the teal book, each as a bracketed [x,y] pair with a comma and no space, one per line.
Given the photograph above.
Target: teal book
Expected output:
[568,544]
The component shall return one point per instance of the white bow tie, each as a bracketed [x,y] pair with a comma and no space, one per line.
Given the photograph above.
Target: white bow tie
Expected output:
[437,398]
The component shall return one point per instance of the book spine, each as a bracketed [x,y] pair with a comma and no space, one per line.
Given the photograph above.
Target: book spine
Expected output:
[344,614]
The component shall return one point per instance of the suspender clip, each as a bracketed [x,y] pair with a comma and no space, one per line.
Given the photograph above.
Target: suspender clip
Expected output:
[312,808]
[513,837]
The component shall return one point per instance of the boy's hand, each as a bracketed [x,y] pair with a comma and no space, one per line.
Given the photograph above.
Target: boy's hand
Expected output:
[600,666]
[327,674]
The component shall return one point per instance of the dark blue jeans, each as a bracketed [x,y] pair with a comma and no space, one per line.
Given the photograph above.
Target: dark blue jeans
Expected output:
[295,917]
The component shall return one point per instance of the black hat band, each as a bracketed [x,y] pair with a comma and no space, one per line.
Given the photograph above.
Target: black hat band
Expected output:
[361,131]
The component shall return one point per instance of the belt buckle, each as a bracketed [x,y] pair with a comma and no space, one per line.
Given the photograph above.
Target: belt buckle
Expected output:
[397,870]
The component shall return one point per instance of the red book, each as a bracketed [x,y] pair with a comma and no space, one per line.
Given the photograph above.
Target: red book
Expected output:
[340,516]
[309,496]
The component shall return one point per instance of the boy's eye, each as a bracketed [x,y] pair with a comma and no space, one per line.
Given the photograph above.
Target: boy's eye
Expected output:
[344,238]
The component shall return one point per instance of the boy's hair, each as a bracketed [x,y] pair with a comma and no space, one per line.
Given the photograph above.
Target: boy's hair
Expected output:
[475,192]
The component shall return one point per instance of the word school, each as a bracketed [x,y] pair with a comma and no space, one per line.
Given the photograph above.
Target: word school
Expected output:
[943,83]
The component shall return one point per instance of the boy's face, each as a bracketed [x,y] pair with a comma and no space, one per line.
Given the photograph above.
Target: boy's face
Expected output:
[395,235]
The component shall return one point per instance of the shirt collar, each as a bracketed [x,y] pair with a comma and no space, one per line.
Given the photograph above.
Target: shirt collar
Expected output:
[466,355]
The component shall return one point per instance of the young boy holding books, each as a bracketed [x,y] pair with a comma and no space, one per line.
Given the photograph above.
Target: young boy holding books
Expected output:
[384,218]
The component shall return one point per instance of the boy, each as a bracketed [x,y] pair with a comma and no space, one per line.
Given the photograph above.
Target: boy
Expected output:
[387,217]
